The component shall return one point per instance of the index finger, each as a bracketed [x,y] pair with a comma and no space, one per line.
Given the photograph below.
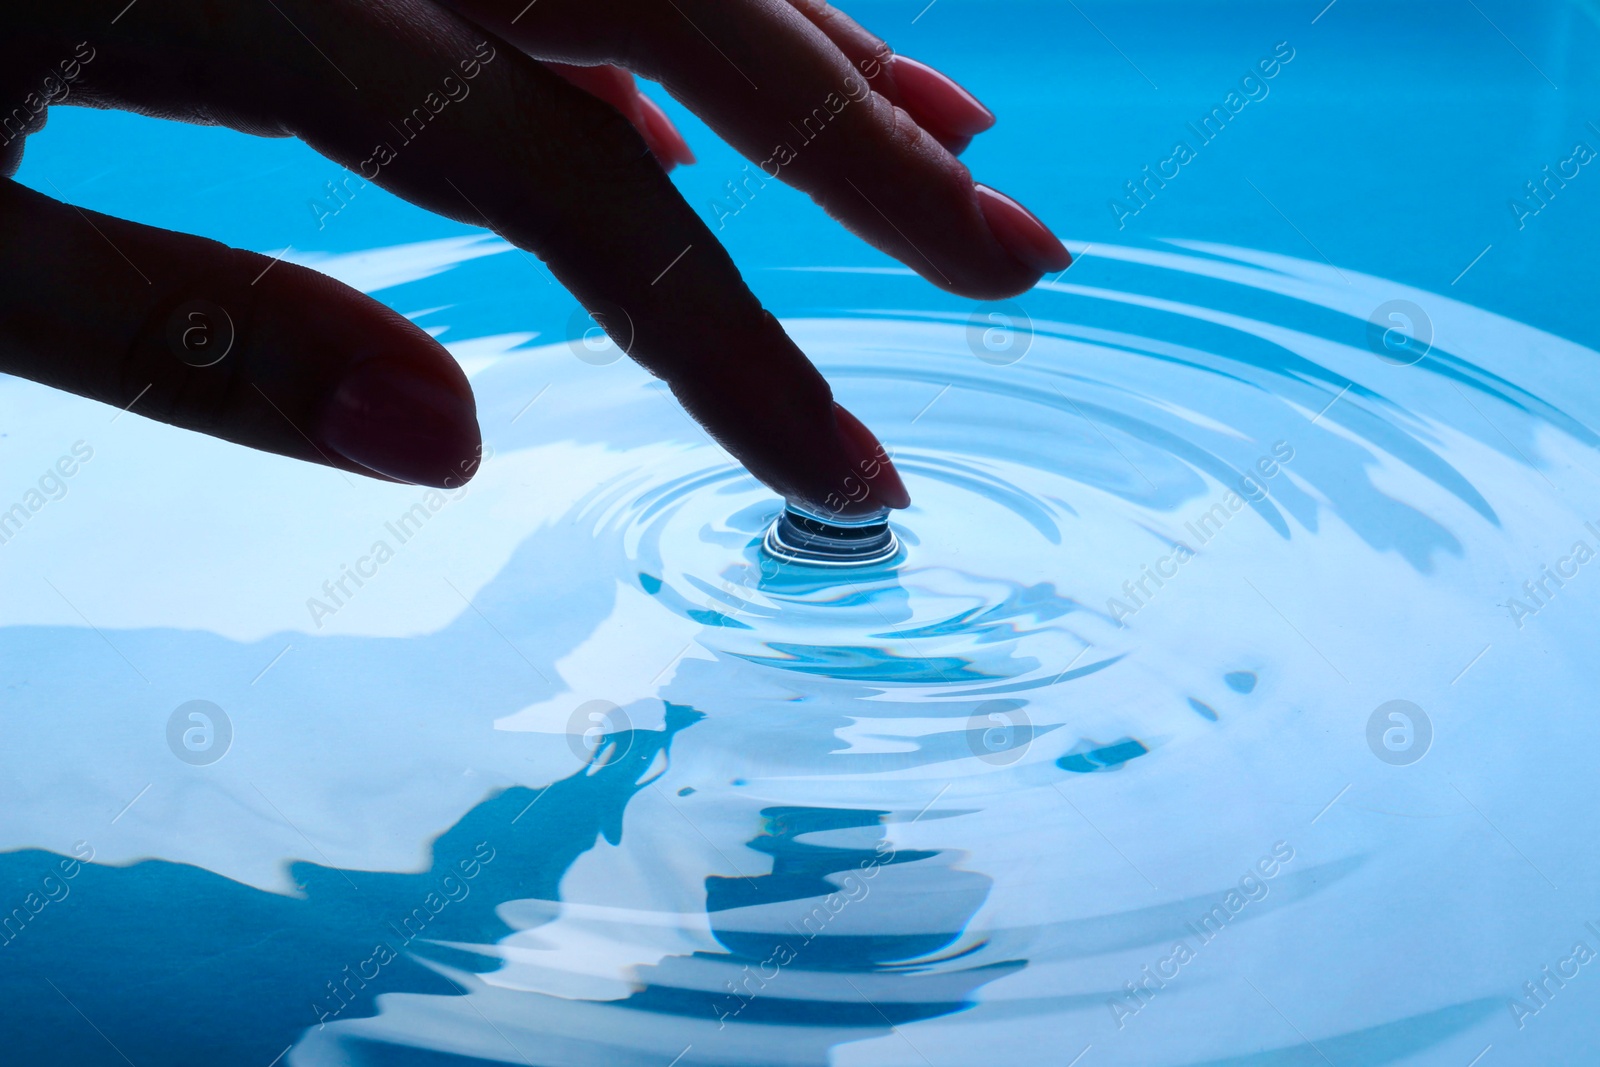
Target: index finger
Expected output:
[775,86]
[548,166]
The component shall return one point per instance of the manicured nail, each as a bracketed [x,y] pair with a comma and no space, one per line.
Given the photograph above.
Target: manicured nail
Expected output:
[870,466]
[1022,234]
[937,103]
[668,143]
[403,422]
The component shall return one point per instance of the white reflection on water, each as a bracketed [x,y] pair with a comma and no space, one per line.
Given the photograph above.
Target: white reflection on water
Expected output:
[944,811]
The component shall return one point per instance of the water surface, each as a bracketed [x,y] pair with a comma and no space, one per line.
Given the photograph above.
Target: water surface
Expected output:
[1107,764]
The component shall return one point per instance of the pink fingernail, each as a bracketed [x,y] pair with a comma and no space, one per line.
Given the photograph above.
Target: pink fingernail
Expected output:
[1022,234]
[937,102]
[670,143]
[871,465]
[402,422]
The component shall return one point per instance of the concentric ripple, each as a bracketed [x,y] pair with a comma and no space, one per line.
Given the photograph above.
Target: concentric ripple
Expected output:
[1159,567]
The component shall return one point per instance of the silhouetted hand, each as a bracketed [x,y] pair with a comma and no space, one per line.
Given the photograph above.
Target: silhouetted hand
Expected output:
[534,130]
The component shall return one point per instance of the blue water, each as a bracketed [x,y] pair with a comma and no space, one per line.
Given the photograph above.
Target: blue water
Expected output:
[1228,704]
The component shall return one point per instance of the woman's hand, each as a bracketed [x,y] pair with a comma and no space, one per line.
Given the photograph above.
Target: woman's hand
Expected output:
[510,114]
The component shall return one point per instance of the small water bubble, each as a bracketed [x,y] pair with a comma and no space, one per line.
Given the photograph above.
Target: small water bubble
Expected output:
[1399,733]
[199,732]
